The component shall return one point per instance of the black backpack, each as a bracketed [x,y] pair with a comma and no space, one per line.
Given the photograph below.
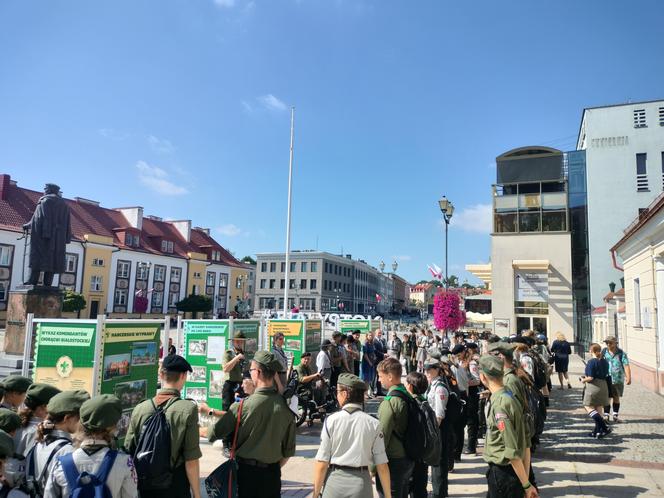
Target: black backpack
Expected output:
[539,370]
[433,447]
[416,440]
[152,456]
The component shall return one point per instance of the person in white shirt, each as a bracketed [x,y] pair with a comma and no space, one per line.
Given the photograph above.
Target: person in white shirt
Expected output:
[351,442]
[460,371]
[324,368]
[437,396]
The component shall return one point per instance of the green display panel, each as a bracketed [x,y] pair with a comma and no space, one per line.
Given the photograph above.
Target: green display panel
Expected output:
[293,335]
[65,354]
[205,342]
[130,365]
[313,336]
[348,326]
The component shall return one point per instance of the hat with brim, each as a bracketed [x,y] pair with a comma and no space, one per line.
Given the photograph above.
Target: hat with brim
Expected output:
[239,335]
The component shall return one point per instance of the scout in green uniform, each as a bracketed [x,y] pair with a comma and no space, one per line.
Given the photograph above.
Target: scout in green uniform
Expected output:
[6,448]
[306,376]
[9,421]
[233,362]
[182,417]
[14,391]
[505,437]
[266,437]
[32,414]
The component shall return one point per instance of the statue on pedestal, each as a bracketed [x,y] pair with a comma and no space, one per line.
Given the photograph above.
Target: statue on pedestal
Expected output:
[50,232]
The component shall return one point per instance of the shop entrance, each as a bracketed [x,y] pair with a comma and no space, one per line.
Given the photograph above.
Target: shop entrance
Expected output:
[537,323]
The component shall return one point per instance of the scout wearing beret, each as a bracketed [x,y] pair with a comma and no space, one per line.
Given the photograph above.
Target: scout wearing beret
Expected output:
[266,437]
[99,417]
[505,448]
[351,441]
[33,414]
[438,395]
[9,421]
[14,389]
[54,436]
[182,417]
[6,445]
[460,371]
[233,364]
[306,377]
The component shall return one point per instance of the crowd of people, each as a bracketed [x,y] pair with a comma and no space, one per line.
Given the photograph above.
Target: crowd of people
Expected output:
[443,398]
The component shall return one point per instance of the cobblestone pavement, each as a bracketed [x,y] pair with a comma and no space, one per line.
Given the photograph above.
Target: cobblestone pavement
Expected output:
[629,463]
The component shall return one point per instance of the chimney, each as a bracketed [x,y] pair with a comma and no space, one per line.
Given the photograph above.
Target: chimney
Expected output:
[184,227]
[5,181]
[204,230]
[134,216]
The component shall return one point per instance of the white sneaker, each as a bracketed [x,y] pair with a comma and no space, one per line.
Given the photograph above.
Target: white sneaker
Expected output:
[615,417]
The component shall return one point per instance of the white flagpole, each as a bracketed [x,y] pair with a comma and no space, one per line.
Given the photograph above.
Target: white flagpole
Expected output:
[288,218]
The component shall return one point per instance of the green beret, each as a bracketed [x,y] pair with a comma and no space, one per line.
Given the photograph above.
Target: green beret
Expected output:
[40,394]
[431,363]
[491,366]
[6,445]
[16,383]
[67,402]
[434,353]
[265,358]
[504,348]
[9,420]
[352,381]
[239,335]
[101,412]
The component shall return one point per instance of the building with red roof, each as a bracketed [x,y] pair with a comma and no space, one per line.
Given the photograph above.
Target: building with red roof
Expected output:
[118,255]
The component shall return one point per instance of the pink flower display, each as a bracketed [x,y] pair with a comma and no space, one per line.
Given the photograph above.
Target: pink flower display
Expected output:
[447,312]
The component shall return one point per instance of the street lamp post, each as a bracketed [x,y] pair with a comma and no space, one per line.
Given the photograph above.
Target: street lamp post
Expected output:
[447,208]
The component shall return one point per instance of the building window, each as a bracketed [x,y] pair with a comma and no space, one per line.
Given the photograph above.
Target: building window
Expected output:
[312,284]
[314,266]
[303,266]
[637,302]
[639,118]
[291,283]
[307,304]
[263,282]
[211,277]
[142,271]
[167,246]
[173,299]
[159,273]
[4,288]
[283,267]
[642,173]
[197,274]
[273,267]
[96,283]
[661,116]
[120,297]
[282,283]
[71,261]
[272,283]
[292,267]
[175,275]
[663,170]
[123,269]
[303,283]
[263,267]
[97,262]
[157,301]
[132,240]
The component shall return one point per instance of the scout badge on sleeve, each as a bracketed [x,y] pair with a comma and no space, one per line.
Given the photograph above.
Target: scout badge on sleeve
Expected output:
[500,421]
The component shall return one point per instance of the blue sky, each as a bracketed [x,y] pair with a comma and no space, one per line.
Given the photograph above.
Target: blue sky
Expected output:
[181,106]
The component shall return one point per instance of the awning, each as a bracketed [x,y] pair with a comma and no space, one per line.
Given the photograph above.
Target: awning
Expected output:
[530,264]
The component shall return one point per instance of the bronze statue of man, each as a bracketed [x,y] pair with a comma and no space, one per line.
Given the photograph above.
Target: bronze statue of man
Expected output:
[50,232]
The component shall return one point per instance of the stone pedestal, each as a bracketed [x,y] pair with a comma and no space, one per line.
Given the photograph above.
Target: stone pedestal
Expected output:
[43,302]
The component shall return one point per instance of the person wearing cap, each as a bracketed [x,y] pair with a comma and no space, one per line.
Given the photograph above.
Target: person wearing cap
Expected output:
[182,417]
[232,362]
[14,391]
[13,469]
[32,414]
[393,418]
[324,369]
[6,449]
[473,407]
[460,371]
[266,437]
[306,376]
[417,385]
[437,397]
[504,450]
[620,373]
[99,417]
[280,356]
[351,442]
[335,358]
[54,437]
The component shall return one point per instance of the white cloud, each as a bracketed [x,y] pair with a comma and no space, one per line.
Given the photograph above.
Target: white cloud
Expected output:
[248,108]
[272,103]
[161,145]
[113,134]
[156,179]
[475,219]
[403,257]
[224,3]
[229,230]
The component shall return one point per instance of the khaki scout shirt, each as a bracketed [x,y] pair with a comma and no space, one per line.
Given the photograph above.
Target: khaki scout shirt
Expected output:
[181,415]
[393,418]
[513,383]
[505,430]
[235,374]
[302,372]
[335,355]
[267,427]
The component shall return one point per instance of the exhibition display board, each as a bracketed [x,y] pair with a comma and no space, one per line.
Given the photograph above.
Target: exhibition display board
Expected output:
[293,331]
[313,336]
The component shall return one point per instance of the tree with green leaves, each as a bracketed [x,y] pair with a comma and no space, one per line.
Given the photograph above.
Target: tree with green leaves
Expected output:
[194,303]
[249,260]
[73,302]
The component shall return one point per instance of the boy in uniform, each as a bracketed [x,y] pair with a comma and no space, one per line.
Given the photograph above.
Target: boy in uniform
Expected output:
[233,362]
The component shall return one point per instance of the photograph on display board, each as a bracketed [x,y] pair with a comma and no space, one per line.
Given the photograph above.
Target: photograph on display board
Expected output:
[123,424]
[144,353]
[294,344]
[198,347]
[215,349]
[250,346]
[198,394]
[116,365]
[131,393]
[198,374]
[216,383]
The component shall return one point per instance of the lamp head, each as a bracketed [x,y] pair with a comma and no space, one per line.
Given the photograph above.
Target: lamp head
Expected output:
[381,265]
[443,203]
[395,265]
